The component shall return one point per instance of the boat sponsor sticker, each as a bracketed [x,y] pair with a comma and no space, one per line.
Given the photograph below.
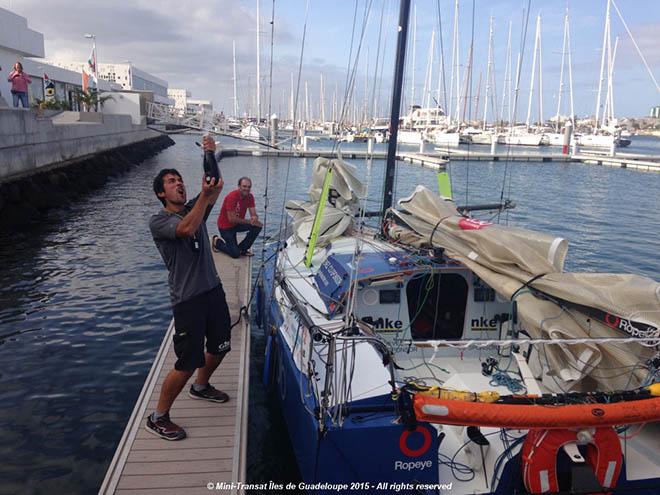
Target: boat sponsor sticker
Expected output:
[413,452]
[632,328]
[412,465]
[383,324]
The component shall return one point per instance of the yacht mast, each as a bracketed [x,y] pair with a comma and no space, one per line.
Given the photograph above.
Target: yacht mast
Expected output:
[608,113]
[540,76]
[306,102]
[531,83]
[322,91]
[506,90]
[235,95]
[570,68]
[561,70]
[414,44]
[454,69]
[258,68]
[606,31]
[488,72]
[404,13]
[292,111]
[426,97]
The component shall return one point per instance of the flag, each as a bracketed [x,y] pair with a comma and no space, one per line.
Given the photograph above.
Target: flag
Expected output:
[89,70]
[85,80]
[49,88]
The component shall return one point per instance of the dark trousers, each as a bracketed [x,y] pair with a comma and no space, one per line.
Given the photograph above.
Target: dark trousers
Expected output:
[230,246]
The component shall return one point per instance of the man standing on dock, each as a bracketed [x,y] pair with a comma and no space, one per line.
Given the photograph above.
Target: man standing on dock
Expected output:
[198,299]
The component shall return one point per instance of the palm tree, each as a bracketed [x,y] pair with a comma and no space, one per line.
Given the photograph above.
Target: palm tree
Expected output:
[90,98]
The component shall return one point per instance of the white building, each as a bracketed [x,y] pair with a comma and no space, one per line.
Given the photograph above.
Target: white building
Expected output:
[127,76]
[180,97]
[194,106]
[17,42]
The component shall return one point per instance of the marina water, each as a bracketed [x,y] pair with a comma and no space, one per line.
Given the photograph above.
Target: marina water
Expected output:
[84,300]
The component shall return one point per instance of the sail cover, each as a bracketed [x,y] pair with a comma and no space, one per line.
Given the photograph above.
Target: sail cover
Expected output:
[527,267]
[345,193]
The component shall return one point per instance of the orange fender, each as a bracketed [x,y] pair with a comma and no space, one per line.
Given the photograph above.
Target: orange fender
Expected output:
[530,416]
[539,458]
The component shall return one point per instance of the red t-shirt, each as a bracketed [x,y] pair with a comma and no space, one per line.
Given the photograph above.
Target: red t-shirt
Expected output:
[234,201]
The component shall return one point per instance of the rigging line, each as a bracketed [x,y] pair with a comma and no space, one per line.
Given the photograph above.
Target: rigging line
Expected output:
[373,89]
[349,91]
[350,58]
[636,46]
[521,49]
[444,82]
[283,217]
[442,59]
[469,100]
[347,83]
[270,102]
[477,343]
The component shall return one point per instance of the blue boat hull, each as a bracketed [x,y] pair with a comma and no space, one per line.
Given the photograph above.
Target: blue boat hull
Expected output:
[369,448]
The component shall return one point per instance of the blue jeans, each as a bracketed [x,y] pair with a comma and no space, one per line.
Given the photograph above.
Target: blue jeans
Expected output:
[20,96]
[230,246]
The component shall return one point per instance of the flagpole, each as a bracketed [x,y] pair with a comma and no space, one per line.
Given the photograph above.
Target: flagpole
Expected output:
[96,70]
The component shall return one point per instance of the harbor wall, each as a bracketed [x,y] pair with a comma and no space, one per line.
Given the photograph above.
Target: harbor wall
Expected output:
[29,142]
[48,162]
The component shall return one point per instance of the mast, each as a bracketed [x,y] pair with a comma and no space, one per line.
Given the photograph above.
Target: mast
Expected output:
[334,104]
[258,69]
[606,31]
[540,76]
[454,65]
[292,111]
[608,113]
[561,70]
[414,44]
[306,103]
[506,90]
[488,71]
[570,69]
[426,97]
[531,83]
[322,91]
[404,13]
[474,115]
[235,95]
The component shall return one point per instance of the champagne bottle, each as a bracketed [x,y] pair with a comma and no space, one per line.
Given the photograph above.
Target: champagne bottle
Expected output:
[210,164]
[211,169]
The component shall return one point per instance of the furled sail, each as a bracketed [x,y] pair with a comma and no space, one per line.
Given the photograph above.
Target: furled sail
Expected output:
[526,266]
[345,193]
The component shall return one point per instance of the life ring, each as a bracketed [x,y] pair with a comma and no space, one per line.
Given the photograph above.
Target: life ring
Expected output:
[539,457]
[403,442]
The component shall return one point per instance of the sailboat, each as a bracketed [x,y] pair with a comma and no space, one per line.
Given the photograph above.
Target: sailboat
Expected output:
[445,352]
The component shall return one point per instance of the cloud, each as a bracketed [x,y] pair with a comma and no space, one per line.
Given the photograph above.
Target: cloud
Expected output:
[187,43]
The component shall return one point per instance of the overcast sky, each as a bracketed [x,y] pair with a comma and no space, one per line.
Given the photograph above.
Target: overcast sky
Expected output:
[189,44]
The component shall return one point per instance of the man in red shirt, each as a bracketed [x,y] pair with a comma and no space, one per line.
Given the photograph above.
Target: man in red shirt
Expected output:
[232,221]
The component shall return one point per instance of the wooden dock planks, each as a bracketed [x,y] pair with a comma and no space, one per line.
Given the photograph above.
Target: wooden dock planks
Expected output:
[215,448]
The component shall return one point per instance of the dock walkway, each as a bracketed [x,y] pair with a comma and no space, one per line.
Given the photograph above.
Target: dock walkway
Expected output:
[439,158]
[215,450]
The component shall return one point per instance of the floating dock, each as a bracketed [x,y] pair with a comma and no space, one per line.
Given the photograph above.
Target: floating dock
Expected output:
[438,159]
[215,450]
